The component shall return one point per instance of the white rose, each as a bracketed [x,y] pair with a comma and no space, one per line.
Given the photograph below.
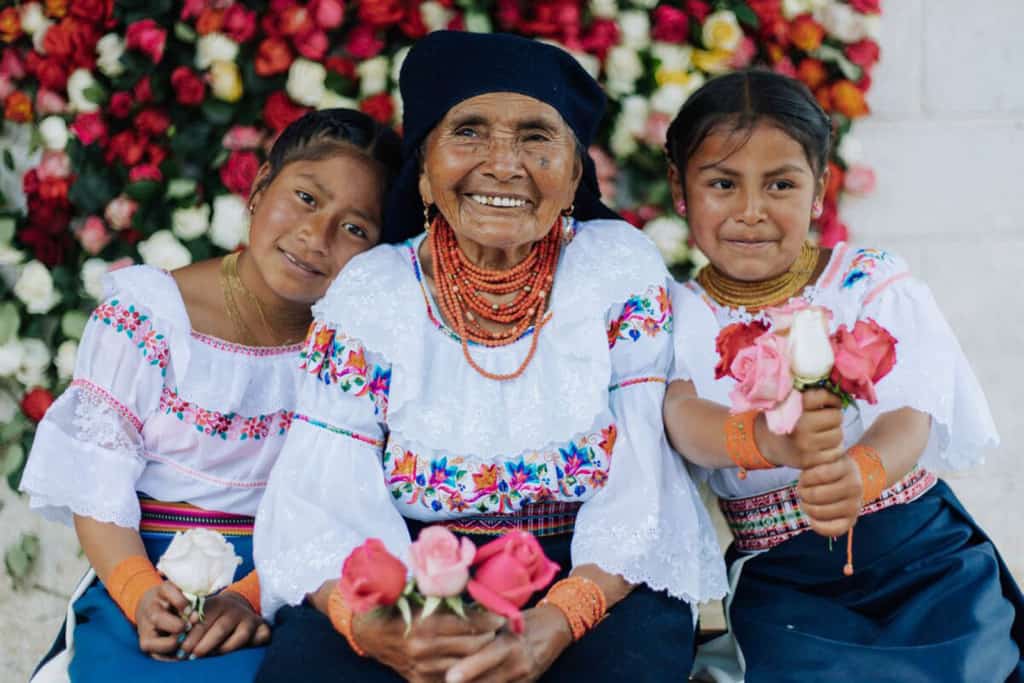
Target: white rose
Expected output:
[8,407]
[65,360]
[163,250]
[34,362]
[39,37]
[54,132]
[791,9]
[604,9]
[872,24]
[11,354]
[635,111]
[670,97]
[721,31]
[93,272]
[590,63]
[373,76]
[842,22]
[306,81]
[199,562]
[109,50]
[622,141]
[332,100]
[698,259]
[230,223]
[649,4]
[668,234]
[672,57]
[396,99]
[810,351]
[397,61]
[477,22]
[215,47]
[32,18]
[622,67]
[635,29]
[9,256]
[435,15]
[79,81]
[191,222]
[850,150]
[35,288]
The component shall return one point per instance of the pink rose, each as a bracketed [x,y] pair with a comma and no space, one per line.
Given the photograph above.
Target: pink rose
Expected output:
[656,128]
[508,571]
[93,235]
[54,164]
[863,357]
[859,179]
[765,383]
[49,102]
[242,137]
[312,45]
[90,128]
[120,211]
[744,53]
[147,37]
[782,316]
[239,23]
[327,14]
[440,562]
[371,577]
[6,87]
[11,64]
[145,172]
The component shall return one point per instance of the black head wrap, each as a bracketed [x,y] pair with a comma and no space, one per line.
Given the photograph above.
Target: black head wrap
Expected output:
[447,67]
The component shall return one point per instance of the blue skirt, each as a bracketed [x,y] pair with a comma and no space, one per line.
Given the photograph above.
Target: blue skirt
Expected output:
[930,600]
[107,645]
[648,636]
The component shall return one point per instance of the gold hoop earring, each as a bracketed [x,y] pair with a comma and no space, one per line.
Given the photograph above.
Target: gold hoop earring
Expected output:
[568,212]
[426,218]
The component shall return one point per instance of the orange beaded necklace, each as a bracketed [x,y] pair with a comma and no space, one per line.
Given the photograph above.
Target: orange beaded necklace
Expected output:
[461,286]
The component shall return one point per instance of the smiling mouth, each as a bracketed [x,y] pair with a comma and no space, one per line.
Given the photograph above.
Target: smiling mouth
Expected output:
[302,265]
[500,201]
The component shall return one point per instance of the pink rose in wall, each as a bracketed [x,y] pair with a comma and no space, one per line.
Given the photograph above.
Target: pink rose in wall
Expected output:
[242,137]
[744,53]
[6,87]
[147,37]
[54,164]
[93,235]
[49,102]
[327,14]
[656,129]
[859,180]
[440,562]
[120,211]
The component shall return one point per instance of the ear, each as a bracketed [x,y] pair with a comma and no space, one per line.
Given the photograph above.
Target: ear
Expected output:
[577,176]
[819,192]
[675,184]
[259,184]
[426,193]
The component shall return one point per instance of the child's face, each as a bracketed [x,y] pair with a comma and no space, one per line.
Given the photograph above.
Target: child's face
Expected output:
[749,203]
[313,218]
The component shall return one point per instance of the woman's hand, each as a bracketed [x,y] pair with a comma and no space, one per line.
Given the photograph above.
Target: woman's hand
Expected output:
[511,657]
[158,620]
[830,496]
[817,438]
[229,623]
[432,645]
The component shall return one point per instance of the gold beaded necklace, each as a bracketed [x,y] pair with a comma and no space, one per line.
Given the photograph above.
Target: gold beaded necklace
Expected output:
[232,286]
[754,296]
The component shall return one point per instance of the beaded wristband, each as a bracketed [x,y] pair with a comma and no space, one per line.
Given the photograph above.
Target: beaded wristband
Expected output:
[341,619]
[581,601]
[129,581]
[741,446]
[249,588]
[872,471]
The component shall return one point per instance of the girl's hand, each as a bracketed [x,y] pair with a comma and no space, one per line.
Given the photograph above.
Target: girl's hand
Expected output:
[817,438]
[432,645]
[229,624]
[158,619]
[511,657]
[830,496]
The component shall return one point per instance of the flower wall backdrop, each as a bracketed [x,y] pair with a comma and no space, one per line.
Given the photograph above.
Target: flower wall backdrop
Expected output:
[131,130]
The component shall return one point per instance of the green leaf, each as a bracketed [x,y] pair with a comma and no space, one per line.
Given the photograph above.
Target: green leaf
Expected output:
[142,190]
[8,160]
[95,94]
[72,324]
[180,188]
[828,53]
[13,459]
[7,226]
[218,112]
[13,430]
[184,32]
[30,544]
[430,606]
[455,604]
[17,562]
[746,15]
[92,189]
[10,321]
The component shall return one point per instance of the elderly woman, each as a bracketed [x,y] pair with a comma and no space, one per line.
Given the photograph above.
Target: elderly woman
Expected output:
[504,371]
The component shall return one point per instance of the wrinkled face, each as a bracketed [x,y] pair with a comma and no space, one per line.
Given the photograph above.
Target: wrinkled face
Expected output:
[749,204]
[313,218]
[500,168]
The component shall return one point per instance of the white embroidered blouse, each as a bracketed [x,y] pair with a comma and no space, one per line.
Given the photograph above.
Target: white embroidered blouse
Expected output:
[931,373]
[392,422]
[156,408]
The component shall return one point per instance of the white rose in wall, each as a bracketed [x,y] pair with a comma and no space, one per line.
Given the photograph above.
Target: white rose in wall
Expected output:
[35,288]
[791,9]
[93,271]
[397,61]
[35,360]
[332,100]
[191,222]
[623,67]
[435,15]
[850,150]
[669,235]
[842,22]
[8,407]
[306,82]
[635,110]
[54,132]
[65,359]
[604,9]
[79,81]
[230,224]
[477,22]
[109,50]
[721,31]
[670,97]
[11,354]
[163,250]
[32,18]
[215,47]
[635,29]
[672,57]
[622,141]
[39,37]
[200,562]
[373,76]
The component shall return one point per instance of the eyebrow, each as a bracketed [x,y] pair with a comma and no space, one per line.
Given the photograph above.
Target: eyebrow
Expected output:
[781,170]
[533,123]
[311,178]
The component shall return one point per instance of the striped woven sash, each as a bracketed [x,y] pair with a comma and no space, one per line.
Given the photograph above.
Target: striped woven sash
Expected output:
[167,518]
[539,519]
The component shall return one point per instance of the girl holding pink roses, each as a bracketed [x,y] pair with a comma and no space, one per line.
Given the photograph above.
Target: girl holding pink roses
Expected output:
[930,597]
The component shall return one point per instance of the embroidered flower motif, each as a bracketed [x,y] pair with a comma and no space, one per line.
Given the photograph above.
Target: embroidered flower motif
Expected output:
[646,315]
[138,327]
[863,265]
[486,480]
[608,436]
[335,359]
[227,426]
[404,469]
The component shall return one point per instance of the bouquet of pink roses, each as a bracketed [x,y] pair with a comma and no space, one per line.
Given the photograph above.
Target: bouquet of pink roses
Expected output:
[501,576]
[773,361]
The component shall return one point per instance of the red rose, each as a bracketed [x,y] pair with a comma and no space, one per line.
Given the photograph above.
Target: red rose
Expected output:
[120,105]
[312,45]
[191,8]
[632,218]
[864,84]
[143,91]
[341,66]
[601,37]
[51,216]
[509,14]
[767,11]
[58,41]
[145,172]
[10,25]
[90,128]
[812,73]
[412,25]
[379,106]
[381,13]
[239,171]
[49,247]
[867,6]
[156,154]
[54,189]
[363,43]
[50,72]
[670,25]
[835,182]
[18,107]
[295,21]
[507,572]
[733,339]
[127,146]
[806,33]
[152,122]
[273,57]
[327,13]
[147,37]
[864,356]
[35,403]
[239,23]
[209,21]
[99,12]
[371,577]
[863,53]
[832,231]
[698,9]
[30,182]
[279,111]
[189,88]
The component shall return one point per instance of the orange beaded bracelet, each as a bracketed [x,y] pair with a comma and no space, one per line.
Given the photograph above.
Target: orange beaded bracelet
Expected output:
[872,471]
[581,601]
[341,619]
[741,446]
[129,581]
[249,588]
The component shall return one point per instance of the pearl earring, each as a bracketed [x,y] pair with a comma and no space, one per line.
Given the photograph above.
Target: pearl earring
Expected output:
[817,209]
[681,207]
[426,218]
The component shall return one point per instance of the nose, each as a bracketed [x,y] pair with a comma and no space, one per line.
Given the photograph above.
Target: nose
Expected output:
[314,233]
[503,163]
[752,209]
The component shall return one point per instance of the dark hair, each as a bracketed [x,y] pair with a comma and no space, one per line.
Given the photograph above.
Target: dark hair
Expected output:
[740,100]
[321,134]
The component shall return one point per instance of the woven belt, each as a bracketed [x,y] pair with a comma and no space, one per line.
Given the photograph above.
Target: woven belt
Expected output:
[764,521]
[539,519]
[167,518]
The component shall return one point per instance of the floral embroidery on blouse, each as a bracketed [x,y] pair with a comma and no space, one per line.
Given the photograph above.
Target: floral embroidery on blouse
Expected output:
[136,326]
[334,359]
[228,426]
[645,315]
[863,265]
[568,473]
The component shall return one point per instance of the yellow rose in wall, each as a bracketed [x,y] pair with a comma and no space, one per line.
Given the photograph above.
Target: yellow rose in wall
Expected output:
[226,81]
[721,31]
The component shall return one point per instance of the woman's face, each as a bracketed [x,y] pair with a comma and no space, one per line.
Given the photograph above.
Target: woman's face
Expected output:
[500,168]
[313,218]
[749,203]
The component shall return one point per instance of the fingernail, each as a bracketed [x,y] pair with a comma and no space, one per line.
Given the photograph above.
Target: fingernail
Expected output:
[180,654]
[192,656]
[188,610]
[181,638]
[188,626]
